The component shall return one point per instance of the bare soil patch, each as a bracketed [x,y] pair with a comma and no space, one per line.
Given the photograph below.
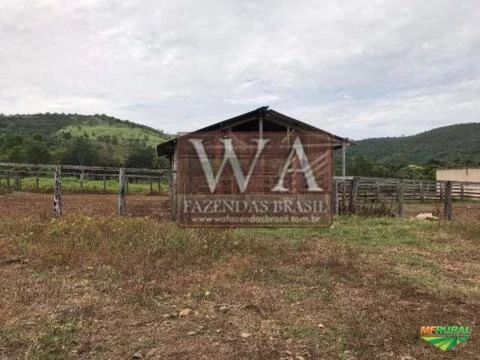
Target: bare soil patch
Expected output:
[23,204]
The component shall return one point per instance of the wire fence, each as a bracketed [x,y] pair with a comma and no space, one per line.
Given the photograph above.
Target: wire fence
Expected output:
[90,190]
[81,179]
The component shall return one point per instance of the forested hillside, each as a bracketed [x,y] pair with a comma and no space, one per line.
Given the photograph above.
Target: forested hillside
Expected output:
[416,156]
[78,140]
[106,141]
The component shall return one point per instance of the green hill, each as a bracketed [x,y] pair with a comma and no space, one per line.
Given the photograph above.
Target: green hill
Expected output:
[107,141]
[418,155]
[78,139]
[454,143]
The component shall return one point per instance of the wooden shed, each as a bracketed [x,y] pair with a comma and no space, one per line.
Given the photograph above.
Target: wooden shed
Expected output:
[257,121]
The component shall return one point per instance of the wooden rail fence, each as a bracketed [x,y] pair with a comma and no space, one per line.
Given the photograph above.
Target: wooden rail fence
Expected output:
[11,175]
[353,195]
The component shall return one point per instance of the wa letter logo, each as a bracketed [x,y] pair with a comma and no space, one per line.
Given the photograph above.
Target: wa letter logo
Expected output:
[229,156]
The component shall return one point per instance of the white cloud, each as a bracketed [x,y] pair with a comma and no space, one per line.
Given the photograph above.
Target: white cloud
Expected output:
[403,113]
[356,68]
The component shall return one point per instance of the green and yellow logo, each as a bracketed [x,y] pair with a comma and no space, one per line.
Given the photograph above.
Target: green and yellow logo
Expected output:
[445,337]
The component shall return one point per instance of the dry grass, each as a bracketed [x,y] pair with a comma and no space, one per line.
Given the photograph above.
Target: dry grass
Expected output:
[105,287]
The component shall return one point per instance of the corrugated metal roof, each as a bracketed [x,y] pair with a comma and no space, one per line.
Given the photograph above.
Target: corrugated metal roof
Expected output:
[167,148]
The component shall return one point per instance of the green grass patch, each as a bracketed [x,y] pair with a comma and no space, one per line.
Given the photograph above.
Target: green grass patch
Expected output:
[122,133]
[367,232]
[73,184]
[468,230]
[418,262]
[54,342]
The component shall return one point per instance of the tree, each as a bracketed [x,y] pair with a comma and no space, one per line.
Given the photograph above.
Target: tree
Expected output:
[36,152]
[12,141]
[16,154]
[161,162]
[81,152]
[140,157]
[106,157]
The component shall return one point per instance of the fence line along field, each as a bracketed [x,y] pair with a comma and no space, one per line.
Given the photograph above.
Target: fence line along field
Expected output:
[352,195]
[384,196]
[22,185]
[80,179]
[158,206]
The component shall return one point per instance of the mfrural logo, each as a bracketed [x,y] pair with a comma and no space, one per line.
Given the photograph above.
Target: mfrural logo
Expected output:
[445,337]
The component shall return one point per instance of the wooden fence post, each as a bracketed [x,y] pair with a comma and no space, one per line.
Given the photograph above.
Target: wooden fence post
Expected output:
[104,184]
[448,201]
[81,178]
[462,192]
[400,189]
[378,193]
[122,203]
[151,185]
[343,208]
[37,182]
[421,192]
[57,193]
[18,182]
[353,196]
[335,195]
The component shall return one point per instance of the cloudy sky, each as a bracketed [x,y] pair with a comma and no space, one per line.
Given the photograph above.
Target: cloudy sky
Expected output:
[356,68]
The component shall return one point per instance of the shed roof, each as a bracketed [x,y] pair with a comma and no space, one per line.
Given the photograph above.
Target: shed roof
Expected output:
[167,148]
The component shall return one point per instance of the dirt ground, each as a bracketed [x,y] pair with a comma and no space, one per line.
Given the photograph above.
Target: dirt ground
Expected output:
[87,204]
[158,206]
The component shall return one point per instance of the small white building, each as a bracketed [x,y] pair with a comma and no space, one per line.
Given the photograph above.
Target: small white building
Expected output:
[460,175]
[460,179]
